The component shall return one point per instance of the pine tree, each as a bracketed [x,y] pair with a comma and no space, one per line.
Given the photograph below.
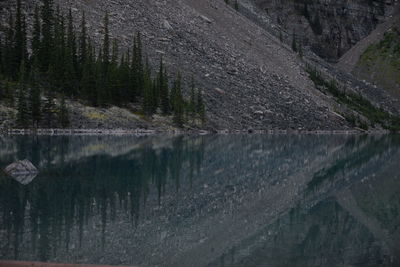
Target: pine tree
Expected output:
[134,73]
[148,95]
[57,65]
[294,43]
[9,95]
[70,61]
[236,5]
[137,71]
[82,45]
[36,35]
[19,46]
[104,59]
[11,70]
[155,96]
[139,64]
[200,107]
[115,76]
[71,39]
[35,96]
[88,83]
[49,109]
[192,100]
[124,79]
[46,47]
[22,111]
[178,103]
[300,50]
[2,66]
[63,114]
[58,55]
[162,83]
[24,52]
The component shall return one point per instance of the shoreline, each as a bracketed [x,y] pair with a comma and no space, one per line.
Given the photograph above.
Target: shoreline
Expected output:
[146,132]
[14,263]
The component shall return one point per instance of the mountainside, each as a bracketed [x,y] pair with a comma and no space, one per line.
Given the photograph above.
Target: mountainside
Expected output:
[248,77]
[376,58]
[330,28]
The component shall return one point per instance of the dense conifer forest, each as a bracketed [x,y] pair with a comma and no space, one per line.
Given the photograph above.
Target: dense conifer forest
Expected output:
[61,62]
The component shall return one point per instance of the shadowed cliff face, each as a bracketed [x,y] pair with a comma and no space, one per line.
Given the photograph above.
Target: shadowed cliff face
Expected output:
[205,201]
[330,28]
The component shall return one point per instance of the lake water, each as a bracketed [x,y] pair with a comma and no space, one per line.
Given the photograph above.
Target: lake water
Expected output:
[235,200]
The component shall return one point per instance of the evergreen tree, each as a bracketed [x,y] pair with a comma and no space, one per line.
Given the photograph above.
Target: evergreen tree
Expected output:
[82,45]
[35,96]
[148,95]
[9,95]
[300,48]
[70,61]
[58,55]
[139,64]
[46,45]
[36,35]
[11,69]
[19,49]
[316,25]
[88,83]
[124,71]
[178,103]
[48,109]
[294,43]
[200,107]
[71,40]
[134,72]
[63,115]
[137,71]
[236,5]
[104,61]
[162,83]
[192,100]
[22,112]
[2,66]
[155,95]
[115,76]
[59,63]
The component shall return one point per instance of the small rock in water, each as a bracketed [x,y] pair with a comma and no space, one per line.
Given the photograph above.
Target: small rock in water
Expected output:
[23,171]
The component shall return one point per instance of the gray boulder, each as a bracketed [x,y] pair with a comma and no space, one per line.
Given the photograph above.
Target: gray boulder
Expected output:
[23,171]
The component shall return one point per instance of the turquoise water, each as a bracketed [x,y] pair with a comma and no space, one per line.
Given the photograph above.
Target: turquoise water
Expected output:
[215,200]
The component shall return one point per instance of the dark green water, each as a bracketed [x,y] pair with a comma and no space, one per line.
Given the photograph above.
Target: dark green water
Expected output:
[236,200]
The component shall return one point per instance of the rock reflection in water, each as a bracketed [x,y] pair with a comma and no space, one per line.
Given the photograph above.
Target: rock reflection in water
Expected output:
[204,201]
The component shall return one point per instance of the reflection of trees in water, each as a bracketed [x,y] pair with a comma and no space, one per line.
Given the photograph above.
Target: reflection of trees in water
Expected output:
[323,235]
[319,231]
[361,152]
[66,196]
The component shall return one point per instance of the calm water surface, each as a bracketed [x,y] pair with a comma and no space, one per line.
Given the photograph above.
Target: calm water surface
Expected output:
[236,200]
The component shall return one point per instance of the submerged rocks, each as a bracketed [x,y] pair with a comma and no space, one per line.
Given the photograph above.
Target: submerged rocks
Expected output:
[23,171]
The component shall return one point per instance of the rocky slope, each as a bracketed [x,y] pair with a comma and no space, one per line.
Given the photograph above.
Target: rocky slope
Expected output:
[249,79]
[376,58]
[330,28]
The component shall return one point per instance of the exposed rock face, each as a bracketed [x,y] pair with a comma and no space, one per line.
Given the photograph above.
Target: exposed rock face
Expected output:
[249,79]
[376,58]
[221,49]
[329,27]
[23,171]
